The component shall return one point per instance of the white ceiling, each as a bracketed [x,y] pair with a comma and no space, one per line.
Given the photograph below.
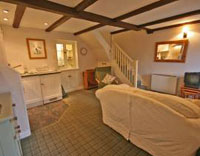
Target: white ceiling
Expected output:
[70,3]
[114,8]
[73,25]
[110,8]
[36,18]
[10,15]
[172,9]
[183,20]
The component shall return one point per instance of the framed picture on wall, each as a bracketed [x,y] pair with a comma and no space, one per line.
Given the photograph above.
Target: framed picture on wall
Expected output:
[36,48]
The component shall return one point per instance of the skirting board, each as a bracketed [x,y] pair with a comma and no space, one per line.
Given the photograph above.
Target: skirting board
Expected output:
[74,89]
[31,105]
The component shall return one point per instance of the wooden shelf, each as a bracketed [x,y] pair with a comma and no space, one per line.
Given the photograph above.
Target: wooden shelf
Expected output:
[187,92]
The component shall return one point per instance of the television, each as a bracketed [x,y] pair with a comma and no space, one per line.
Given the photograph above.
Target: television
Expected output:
[192,80]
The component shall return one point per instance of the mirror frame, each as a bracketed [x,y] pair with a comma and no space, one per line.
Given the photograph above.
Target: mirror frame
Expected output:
[184,42]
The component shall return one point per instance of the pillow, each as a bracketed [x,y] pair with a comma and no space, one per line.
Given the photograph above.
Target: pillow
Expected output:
[108,79]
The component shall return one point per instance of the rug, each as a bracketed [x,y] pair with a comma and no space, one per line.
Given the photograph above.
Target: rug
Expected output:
[45,115]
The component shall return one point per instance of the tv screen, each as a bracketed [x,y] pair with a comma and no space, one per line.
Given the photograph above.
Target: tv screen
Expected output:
[192,80]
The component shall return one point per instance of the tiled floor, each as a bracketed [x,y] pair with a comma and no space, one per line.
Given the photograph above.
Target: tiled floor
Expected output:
[79,131]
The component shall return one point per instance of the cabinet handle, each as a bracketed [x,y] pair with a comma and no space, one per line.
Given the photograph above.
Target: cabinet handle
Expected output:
[69,76]
[17,127]
[13,119]
[14,105]
[19,131]
[42,84]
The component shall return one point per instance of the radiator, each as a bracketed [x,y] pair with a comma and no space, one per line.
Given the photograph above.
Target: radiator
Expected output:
[164,83]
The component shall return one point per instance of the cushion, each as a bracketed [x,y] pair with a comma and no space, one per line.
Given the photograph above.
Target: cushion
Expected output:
[108,79]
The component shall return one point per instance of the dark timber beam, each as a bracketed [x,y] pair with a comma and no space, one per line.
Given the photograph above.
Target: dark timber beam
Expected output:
[19,12]
[68,11]
[89,29]
[176,25]
[118,31]
[145,9]
[176,17]
[80,7]
[132,13]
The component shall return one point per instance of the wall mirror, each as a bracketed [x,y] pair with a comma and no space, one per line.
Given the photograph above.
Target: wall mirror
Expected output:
[171,51]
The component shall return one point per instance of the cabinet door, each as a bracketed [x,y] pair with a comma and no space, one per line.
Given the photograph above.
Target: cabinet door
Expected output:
[51,87]
[72,80]
[8,144]
[32,91]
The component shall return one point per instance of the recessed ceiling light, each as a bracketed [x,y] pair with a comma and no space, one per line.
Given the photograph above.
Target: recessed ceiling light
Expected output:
[46,23]
[5,19]
[5,11]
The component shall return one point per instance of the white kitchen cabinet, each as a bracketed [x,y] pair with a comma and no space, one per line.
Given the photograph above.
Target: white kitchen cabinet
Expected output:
[72,80]
[51,87]
[9,136]
[32,91]
[42,89]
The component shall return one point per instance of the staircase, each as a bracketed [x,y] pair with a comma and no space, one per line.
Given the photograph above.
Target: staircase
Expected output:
[123,66]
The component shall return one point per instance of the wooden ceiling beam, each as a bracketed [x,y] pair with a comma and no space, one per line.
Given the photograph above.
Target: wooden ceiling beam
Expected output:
[131,14]
[84,4]
[19,12]
[80,7]
[176,17]
[118,31]
[146,8]
[89,29]
[68,11]
[176,25]
[172,18]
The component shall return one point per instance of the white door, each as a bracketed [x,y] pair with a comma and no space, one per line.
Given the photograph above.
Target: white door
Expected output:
[51,87]
[32,91]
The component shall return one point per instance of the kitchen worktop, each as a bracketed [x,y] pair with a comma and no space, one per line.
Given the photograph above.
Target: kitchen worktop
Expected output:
[47,72]
[40,73]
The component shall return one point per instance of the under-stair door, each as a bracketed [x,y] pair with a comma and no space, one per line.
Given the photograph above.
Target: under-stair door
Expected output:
[51,88]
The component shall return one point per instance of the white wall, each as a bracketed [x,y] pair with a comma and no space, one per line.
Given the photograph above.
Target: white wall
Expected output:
[2,49]
[141,46]
[17,53]
[91,40]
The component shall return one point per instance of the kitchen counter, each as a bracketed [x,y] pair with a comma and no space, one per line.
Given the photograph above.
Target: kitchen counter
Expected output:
[41,73]
[6,111]
[48,72]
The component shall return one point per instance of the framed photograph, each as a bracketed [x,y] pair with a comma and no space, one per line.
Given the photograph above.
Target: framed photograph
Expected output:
[36,48]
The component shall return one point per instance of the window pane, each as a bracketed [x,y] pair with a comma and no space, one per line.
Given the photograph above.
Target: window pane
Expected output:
[60,54]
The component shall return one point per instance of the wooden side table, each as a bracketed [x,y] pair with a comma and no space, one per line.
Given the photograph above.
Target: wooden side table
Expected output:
[89,79]
[187,92]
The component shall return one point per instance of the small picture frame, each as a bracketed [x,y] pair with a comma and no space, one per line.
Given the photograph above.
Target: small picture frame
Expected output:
[36,48]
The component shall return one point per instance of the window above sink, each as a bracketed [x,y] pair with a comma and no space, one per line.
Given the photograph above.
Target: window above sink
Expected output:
[67,56]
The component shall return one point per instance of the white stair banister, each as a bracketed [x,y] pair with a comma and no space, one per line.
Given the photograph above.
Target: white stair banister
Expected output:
[127,66]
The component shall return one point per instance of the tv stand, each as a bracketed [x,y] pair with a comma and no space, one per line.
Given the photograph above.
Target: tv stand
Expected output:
[187,92]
